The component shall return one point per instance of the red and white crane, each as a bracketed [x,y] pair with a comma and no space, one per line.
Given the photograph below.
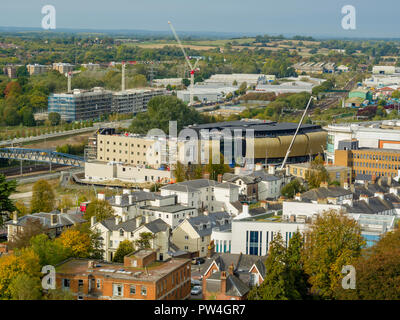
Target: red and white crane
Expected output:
[192,68]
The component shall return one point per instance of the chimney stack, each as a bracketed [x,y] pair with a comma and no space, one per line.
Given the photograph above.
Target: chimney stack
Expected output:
[346,186]
[220,178]
[324,184]
[245,209]
[117,220]
[15,217]
[124,217]
[373,178]
[231,268]
[130,198]
[380,195]
[258,166]
[206,175]
[118,199]
[126,191]
[90,264]
[101,196]
[223,282]
[271,169]
[92,221]
[138,221]
[364,197]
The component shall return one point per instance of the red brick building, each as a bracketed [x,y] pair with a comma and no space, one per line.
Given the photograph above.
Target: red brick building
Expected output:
[140,277]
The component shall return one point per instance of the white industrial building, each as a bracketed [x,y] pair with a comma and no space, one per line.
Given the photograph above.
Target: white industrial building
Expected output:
[250,79]
[168,81]
[205,94]
[374,134]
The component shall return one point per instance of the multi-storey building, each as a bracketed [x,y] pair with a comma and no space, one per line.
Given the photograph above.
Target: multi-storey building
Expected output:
[140,277]
[341,174]
[134,100]
[370,161]
[35,69]
[63,68]
[81,104]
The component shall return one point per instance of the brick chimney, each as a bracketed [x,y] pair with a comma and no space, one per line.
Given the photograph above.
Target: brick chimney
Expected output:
[324,184]
[15,217]
[206,175]
[223,282]
[231,269]
[220,178]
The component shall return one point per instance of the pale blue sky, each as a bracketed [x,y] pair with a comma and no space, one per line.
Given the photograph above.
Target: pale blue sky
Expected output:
[313,17]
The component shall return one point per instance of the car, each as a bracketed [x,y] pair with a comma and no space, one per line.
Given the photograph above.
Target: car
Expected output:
[195,282]
[198,261]
[196,290]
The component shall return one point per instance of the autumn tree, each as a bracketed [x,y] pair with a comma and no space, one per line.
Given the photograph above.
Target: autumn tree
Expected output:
[79,243]
[125,247]
[179,172]
[377,271]
[22,262]
[42,197]
[317,173]
[101,209]
[332,241]
[216,167]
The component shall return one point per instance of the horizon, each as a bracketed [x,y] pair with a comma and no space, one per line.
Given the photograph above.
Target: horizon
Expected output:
[250,18]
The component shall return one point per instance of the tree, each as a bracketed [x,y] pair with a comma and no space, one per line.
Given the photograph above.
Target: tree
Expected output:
[377,271]
[22,238]
[285,278]
[25,287]
[317,173]
[396,94]
[125,247]
[100,209]
[42,197]
[6,189]
[243,88]
[273,286]
[160,111]
[79,242]
[12,265]
[179,172]
[59,294]
[49,252]
[144,240]
[27,117]
[54,118]
[331,242]
[21,208]
[290,189]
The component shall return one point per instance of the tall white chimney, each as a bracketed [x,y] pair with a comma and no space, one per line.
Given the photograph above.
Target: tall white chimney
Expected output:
[245,210]
[130,198]
[92,221]
[271,169]
[118,199]
[15,217]
[117,220]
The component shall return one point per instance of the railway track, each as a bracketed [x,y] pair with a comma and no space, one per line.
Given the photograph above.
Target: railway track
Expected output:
[15,171]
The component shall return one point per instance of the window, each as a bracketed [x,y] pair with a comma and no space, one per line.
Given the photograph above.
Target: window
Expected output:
[118,290]
[253,279]
[80,283]
[132,289]
[66,283]
[144,291]
[98,284]
[202,239]
[186,237]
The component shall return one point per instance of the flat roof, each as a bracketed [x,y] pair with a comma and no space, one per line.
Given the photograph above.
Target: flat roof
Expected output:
[155,270]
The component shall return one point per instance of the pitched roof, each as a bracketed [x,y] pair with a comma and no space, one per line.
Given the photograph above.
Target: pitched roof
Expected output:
[169,209]
[157,225]
[190,185]
[213,220]
[63,219]
[128,226]
[322,192]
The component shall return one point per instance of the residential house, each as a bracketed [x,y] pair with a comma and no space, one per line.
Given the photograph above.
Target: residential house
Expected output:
[194,234]
[229,276]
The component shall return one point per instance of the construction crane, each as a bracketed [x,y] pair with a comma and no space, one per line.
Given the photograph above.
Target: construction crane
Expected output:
[295,134]
[69,76]
[193,68]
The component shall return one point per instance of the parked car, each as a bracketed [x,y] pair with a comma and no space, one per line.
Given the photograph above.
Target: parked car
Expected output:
[195,282]
[195,290]
[198,261]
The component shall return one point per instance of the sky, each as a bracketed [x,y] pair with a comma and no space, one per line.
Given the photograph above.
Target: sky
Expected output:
[304,17]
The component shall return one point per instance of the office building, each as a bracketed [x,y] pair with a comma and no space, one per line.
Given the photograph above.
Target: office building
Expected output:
[370,161]
[341,174]
[63,68]
[134,100]
[35,69]
[81,104]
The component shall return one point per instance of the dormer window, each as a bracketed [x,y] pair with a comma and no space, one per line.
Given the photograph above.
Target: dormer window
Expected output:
[121,232]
